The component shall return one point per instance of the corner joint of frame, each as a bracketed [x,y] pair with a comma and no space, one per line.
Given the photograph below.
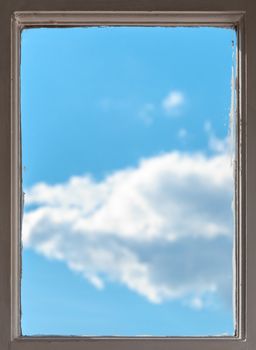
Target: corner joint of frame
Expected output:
[241,18]
[16,21]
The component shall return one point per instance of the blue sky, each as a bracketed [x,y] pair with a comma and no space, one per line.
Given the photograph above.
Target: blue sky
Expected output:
[124,134]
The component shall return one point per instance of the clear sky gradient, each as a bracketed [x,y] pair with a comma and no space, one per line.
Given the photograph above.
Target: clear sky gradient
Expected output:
[106,105]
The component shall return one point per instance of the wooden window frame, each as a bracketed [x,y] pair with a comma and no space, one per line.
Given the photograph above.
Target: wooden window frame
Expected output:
[16,15]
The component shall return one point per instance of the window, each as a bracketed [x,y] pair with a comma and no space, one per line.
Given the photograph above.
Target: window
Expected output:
[122,137]
[10,333]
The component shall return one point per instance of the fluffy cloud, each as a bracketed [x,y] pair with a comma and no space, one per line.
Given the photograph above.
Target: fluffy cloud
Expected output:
[173,101]
[163,229]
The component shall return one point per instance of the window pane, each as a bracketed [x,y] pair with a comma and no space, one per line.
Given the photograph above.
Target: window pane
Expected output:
[128,224]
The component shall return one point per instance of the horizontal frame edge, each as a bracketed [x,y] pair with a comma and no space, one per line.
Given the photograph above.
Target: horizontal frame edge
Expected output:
[69,18]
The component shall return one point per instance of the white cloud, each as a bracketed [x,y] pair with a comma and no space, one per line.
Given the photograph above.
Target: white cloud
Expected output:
[215,143]
[173,101]
[163,229]
[197,303]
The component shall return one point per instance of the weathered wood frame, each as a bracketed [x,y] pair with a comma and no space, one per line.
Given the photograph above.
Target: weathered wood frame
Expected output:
[239,14]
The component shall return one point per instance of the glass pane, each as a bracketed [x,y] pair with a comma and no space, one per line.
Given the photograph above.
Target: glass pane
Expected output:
[128,224]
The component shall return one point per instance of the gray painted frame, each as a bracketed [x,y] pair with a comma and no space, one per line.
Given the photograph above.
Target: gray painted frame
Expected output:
[30,13]
[22,20]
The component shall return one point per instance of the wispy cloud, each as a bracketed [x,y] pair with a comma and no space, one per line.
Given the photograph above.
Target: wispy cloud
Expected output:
[182,134]
[215,143]
[146,113]
[163,228]
[173,101]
